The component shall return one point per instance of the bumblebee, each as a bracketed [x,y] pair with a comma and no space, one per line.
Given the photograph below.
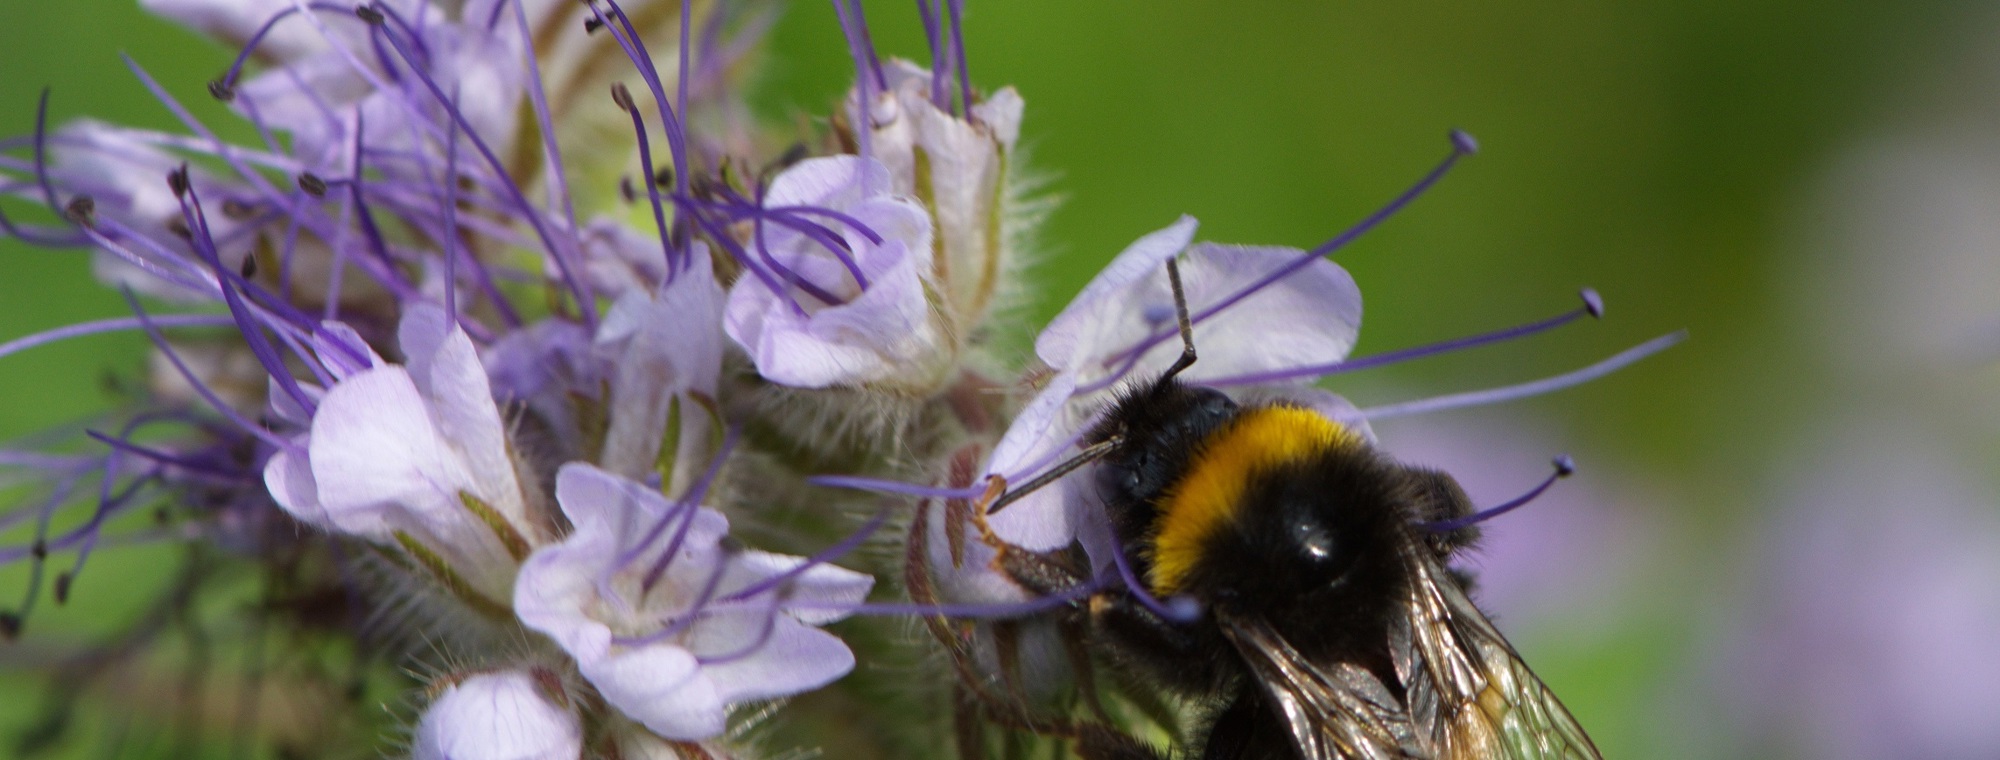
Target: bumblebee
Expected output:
[1329,624]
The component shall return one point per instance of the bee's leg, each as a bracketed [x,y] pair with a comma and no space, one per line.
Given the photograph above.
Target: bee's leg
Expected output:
[1095,742]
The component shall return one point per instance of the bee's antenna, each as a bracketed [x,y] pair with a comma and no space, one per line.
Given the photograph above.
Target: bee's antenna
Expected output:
[1181,314]
[1564,468]
[1090,454]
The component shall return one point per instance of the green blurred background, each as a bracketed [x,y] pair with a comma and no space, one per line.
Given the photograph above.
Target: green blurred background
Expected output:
[1675,155]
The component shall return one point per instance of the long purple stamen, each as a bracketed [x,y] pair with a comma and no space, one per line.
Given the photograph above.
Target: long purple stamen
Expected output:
[253,336]
[201,388]
[557,252]
[825,556]
[1592,307]
[692,500]
[225,89]
[940,55]
[538,98]
[958,53]
[867,72]
[1525,390]
[771,612]
[1564,467]
[40,147]
[114,324]
[894,486]
[635,49]
[1461,146]
[623,97]
[1179,609]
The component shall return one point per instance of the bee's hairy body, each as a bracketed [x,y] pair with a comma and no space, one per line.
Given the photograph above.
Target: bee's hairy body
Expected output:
[1274,512]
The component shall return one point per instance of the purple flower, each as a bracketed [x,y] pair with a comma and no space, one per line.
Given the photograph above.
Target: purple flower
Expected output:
[670,622]
[849,306]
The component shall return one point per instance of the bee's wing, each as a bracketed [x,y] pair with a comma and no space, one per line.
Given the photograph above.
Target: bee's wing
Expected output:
[1337,712]
[1469,695]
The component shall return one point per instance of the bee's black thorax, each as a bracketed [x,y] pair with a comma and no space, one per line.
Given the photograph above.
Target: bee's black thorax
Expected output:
[1312,544]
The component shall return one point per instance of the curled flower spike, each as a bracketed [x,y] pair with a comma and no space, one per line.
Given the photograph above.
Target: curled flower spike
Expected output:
[675,653]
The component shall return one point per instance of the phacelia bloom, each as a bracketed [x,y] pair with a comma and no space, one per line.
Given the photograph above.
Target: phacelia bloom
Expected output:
[669,622]
[514,355]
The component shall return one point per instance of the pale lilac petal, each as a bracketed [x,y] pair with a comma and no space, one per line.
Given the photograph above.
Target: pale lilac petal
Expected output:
[373,449]
[662,687]
[1001,113]
[822,584]
[600,504]
[878,335]
[1074,334]
[234,21]
[794,657]
[1042,435]
[666,348]
[1312,316]
[497,716]
[828,181]
[971,578]
[550,594]
[288,476]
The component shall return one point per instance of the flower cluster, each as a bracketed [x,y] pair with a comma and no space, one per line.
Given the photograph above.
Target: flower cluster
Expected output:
[526,394]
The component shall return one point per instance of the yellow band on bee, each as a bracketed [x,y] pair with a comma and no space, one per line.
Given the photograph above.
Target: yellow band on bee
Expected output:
[1210,493]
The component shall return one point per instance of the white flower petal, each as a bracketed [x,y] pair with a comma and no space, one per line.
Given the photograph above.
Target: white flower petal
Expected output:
[1074,335]
[497,716]
[792,656]
[662,687]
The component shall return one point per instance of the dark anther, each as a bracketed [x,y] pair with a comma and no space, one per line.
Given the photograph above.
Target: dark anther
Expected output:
[62,588]
[1565,466]
[1593,303]
[623,97]
[312,184]
[626,190]
[221,90]
[179,227]
[82,210]
[592,24]
[10,626]
[664,177]
[40,549]
[177,180]
[249,269]
[368,14]
[237,210]
[162,516]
